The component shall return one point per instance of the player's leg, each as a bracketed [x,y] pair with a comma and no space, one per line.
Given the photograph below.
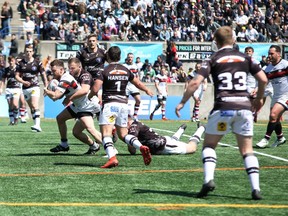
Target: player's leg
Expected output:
[159,99]
[33,103]
[137,98]
[22,109]
[15,105]
[250,162]
[77,131]
[61,119]
[9,98]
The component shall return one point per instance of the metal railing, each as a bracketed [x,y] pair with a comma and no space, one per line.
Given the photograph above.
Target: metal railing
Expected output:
[18,31]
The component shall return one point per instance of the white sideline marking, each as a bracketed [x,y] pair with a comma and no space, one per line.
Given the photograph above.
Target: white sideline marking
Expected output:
[228,145]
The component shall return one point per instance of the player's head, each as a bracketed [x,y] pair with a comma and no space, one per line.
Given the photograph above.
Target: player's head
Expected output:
[92,41]
[130,58]
[114,54]
[57,68]
[249,50]
[224,36]
[12,61]
[29,51]
[74,66]
[274,54]
[198,66]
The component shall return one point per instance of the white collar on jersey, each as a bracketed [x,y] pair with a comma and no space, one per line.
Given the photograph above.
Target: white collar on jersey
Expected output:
[227,46]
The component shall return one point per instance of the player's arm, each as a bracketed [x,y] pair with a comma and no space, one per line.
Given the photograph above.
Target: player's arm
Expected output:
[141,86]
[205,84]
[44,78]
[85,88]
[54,95]
[262,82]
[191,88]
[95,88]
[2,85]
[19,79]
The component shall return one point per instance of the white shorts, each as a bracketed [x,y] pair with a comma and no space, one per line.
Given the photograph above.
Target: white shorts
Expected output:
[238,121]
[283,100]
[31,92]
[173,147]
[13,93]
[114,113]
[131,89]
[268,90]
[92,107]
[199,93]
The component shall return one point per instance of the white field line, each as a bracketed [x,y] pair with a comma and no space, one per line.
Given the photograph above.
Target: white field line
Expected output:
[228,145]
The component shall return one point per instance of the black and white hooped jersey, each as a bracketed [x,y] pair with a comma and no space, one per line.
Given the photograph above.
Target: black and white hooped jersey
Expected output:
[115,78]
[229,69]
[92,61]
[147,136]
[278,76]
[9,75]
[29,71]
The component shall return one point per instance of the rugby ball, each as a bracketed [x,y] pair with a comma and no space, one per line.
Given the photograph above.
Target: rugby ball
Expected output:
[52,86]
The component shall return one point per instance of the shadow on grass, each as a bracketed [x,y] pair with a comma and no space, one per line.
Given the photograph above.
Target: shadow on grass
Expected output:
[186,194]
[77,164]
[46,154]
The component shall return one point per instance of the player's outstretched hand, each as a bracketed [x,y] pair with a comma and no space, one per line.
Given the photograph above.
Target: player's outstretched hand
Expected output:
[178,108]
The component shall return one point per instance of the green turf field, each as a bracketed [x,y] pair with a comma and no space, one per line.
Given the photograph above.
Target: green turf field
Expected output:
[34,181]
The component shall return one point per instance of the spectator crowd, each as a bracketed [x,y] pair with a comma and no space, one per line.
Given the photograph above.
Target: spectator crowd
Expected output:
[155,20]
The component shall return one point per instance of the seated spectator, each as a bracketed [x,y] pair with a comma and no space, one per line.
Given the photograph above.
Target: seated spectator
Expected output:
[71,15]
[182,76]
[175,37]
[211,28]
[62,32]
[53,33]
[192,37]
[251,34]
[31,9]
[62,5]
[177,63]
[28,26]
[174,75]
[271,28]
[164,34]
[131,36]
[29,38]
[106,33]
[139,30]
[241,20]
[149,74]
[111,23]
[241,36]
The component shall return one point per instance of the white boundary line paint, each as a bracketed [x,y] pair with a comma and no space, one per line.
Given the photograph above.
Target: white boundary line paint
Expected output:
[228,145]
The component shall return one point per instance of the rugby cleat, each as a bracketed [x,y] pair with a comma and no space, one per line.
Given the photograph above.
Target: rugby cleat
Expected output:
[145,151]
[92,151]
[112,162]
[151,116]
[35,128]
[279,142]
[59,148]
[256,195]
[206,188]
[164,118]
[263,143]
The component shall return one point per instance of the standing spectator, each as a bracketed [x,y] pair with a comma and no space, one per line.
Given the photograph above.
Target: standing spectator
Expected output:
[171,52]
[232,108]
[5,16]
[162,93]
[14,46]
[275,72]
[115,106]
[27,73]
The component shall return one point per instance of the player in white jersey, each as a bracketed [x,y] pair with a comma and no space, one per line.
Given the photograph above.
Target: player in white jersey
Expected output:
[162,93]
[198,94]
[277,73]
[131,89]
[81,107]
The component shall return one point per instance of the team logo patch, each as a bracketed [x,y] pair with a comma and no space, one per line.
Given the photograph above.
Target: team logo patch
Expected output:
[34,68]
[222,126]
[33,92]
[111,119]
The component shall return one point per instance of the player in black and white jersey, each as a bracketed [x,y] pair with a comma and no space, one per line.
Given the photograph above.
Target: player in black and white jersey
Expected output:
[113,81]
[277,73]
[92,57]
[232,109]
[163,145]
[75,85]
[13,90]
[27,72]
[132,89]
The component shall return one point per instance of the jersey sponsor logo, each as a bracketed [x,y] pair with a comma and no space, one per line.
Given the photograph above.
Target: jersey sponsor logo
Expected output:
[222,126]
[118,72]
[111,119]
[229,59]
